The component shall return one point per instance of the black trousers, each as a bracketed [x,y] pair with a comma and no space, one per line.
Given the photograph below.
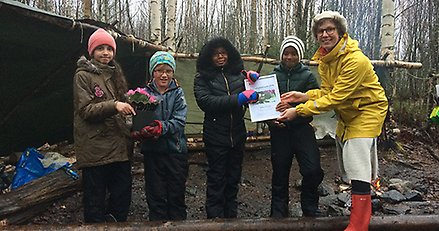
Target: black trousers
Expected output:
[114,179]
[165,185]
[223,177]
[285,143]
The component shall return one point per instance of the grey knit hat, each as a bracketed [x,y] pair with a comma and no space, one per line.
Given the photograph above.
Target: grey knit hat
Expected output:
[292,41]
[340,19]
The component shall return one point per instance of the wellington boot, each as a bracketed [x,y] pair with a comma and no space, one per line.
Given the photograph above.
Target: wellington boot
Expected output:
[361,211]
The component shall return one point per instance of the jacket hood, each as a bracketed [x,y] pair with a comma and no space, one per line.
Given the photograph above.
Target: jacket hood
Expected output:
[173,84]
[204,62]
[345,45]
[91,65]
[296,69]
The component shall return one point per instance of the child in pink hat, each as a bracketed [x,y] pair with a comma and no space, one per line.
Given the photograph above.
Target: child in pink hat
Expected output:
[102,137]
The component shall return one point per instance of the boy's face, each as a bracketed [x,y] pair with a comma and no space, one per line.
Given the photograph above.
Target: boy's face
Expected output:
[103,54]
[163,74]
[290,57]
[220,57]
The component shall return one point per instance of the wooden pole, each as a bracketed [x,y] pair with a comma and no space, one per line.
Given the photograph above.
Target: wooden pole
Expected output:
[388,223]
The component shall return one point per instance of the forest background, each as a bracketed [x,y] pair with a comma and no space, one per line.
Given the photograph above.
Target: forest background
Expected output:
[185,25]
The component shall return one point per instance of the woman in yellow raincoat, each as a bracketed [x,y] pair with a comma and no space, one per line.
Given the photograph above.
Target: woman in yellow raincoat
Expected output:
[351,88]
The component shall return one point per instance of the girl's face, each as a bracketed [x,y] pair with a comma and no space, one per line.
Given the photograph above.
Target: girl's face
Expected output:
[103,54]
[163,74]
[220,57]
[327,34]
[290,57]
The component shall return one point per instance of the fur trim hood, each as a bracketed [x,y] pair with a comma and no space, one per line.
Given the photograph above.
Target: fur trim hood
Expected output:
[205,65]
[92,66]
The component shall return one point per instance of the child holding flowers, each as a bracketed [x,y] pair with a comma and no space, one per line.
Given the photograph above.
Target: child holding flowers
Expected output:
[163,142]
[102,137]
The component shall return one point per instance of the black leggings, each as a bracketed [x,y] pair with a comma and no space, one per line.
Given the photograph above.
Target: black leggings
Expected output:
[360,187]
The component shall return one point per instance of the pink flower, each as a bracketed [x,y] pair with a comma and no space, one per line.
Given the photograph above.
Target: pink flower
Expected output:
[142,91]
[131,92]
[140,95]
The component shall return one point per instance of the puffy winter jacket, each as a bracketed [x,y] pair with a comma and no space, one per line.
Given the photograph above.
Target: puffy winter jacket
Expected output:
[350,87]
[299,78]
[216,91]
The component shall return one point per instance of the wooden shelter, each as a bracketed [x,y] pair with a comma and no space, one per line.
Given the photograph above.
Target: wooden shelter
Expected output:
[39,51]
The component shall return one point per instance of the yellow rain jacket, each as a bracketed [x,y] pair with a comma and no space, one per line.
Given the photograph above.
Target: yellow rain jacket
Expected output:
[350,87]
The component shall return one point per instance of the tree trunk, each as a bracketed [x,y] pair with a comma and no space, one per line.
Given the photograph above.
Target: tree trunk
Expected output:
[30,199]
[170,29]
[253,29]
[87,8]
[388,30]
[155,18]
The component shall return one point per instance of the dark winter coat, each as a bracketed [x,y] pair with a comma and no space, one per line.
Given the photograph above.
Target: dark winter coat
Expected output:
[299,78]
[171,112]
[216,91]
[101,134]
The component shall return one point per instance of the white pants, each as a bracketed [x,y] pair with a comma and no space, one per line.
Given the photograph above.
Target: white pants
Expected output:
[358,159]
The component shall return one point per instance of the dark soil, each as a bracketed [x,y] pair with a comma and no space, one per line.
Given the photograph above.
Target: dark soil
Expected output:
[411,158]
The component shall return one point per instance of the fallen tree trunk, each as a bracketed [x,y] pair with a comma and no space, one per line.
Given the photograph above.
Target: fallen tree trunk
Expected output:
[28,200]
[385,223]
[196,144]
[260,59]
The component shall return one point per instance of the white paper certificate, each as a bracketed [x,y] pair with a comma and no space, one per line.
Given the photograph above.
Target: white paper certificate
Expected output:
[269,97]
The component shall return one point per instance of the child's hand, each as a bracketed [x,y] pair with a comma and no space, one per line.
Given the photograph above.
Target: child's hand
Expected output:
[282,106]
[247,96]
[251,76]
[276,124]
[288,115]
[124,108]
[155,128]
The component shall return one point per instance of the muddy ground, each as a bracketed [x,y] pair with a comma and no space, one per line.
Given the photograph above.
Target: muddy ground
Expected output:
[413,158]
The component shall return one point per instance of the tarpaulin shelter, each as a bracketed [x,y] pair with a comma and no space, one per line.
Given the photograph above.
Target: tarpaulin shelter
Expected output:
[38,54]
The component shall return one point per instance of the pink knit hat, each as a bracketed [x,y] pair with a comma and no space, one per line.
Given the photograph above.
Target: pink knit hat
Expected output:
[100,37]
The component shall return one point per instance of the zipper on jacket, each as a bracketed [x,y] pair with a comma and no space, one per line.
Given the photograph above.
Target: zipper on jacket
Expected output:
[231,114]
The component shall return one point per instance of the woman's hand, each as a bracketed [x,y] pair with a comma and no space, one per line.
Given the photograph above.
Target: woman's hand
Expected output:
[294,97]
[287,115]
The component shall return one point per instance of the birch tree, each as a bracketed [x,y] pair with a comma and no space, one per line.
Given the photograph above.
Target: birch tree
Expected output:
[170,29]
[87,8]
[253,29]
[388,29]
[155,19]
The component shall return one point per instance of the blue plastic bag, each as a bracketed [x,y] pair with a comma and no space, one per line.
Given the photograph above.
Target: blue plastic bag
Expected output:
[29,167]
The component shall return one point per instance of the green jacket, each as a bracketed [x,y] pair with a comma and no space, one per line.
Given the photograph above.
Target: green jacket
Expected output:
[299,78]
[350,87]
[101,134]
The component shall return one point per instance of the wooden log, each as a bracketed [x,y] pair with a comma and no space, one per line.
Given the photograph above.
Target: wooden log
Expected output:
[387,223]
[259,59]
[28,200]
[252,144]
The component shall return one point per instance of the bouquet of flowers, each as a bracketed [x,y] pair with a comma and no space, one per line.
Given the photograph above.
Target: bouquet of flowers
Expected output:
[142,100]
